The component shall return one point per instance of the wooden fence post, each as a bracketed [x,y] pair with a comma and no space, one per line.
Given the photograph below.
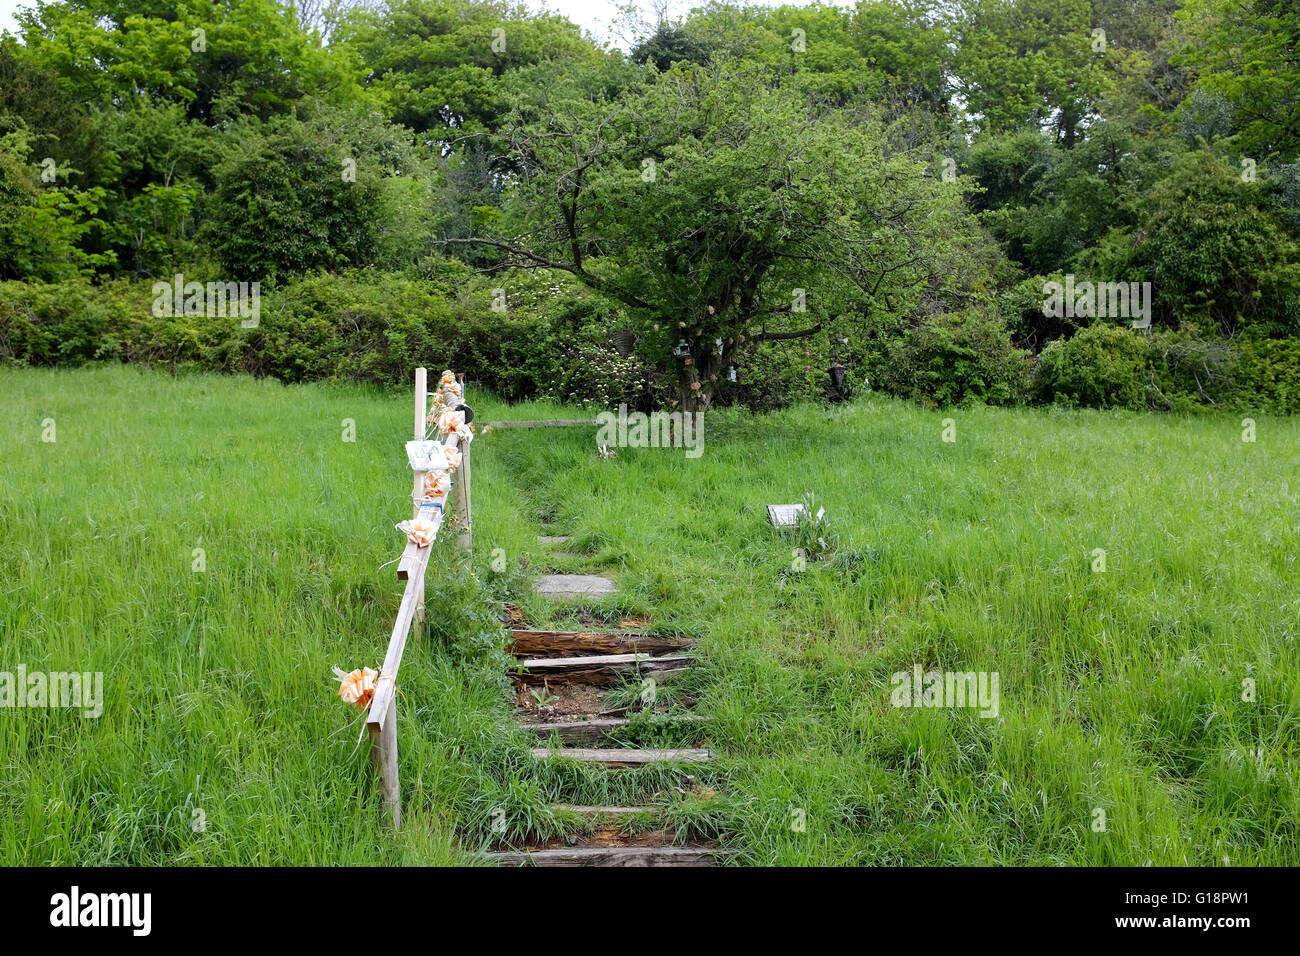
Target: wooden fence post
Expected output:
[460,500]
[383,754]
[421,409]
[466,537]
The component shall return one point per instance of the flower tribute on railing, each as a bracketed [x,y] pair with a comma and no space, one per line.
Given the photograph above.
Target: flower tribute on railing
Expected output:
[436,485]
[439,460]
[358,687]
[447,414]
[419,531]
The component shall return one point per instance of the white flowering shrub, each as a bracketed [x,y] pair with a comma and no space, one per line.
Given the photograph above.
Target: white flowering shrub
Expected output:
[594,374]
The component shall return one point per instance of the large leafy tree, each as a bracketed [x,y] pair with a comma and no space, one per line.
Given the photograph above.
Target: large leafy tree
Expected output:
[1212,247]
[1030,63]
[251,57]
[721,210]
[31,97]
[884,52]
[157,166]
[1248,53]
[43,227]
[439,64]
[319,192]
[1049,204]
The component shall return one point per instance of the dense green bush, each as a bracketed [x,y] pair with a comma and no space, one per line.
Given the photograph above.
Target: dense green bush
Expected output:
[324,191]
[520,352]
[365,327]
[775,374]
[1219,259]
[554,340]
[595,374]
[955,359]
[1103,366]
[357,325]
[1106,366]
[72,322]
[1021,308]
[1268,375]
[1187,374]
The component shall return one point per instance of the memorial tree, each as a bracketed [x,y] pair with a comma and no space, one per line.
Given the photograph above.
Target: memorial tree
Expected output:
[722,207]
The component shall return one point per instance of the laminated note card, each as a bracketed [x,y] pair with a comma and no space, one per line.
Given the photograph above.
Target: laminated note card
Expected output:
[426,456]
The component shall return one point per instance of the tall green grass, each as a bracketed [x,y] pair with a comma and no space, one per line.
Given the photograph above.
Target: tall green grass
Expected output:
[1120,691]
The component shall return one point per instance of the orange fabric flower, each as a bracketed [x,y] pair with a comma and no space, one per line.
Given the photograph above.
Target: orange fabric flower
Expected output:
[419,531]
[358,687]
[436,484]
[451,421]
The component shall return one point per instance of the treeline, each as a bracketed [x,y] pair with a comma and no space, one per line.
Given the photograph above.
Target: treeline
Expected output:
[744,199]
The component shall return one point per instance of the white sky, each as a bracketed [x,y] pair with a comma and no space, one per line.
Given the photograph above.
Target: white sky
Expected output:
[592,15]
[7,22]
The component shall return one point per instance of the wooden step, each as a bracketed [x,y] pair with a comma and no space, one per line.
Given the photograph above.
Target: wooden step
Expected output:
[607,814]
[577,731]
[596,729]
[600,668]
[625,757]
[613,856]
[530,643]
[562,587]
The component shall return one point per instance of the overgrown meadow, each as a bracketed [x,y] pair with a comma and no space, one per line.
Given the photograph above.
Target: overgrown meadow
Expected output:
[214,546]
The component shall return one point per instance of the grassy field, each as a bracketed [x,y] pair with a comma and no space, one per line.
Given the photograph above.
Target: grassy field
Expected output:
[222,740]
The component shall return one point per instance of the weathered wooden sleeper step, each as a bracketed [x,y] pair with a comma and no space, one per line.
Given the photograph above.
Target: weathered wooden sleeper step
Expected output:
[589,643]
[614,856]
[625,757]
[599,668]
[560,587]
[597,729]
[607,814]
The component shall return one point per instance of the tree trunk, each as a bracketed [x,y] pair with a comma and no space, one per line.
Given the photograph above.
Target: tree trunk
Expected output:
[703,371]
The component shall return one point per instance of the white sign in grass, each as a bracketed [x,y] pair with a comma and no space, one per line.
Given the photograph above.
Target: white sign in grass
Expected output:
[787,516]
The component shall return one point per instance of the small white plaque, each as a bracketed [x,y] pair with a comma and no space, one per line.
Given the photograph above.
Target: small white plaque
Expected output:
[787,516]
[426,456]
[784,516]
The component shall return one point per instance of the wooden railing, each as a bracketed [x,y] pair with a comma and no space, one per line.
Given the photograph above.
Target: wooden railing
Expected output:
[382,718]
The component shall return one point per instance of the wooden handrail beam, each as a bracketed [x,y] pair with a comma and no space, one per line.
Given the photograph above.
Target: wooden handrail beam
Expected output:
[414,561]
[545,423]
[384,687]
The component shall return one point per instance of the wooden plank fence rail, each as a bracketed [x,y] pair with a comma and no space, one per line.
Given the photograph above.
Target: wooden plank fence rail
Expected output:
[411,568]
[545,423]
